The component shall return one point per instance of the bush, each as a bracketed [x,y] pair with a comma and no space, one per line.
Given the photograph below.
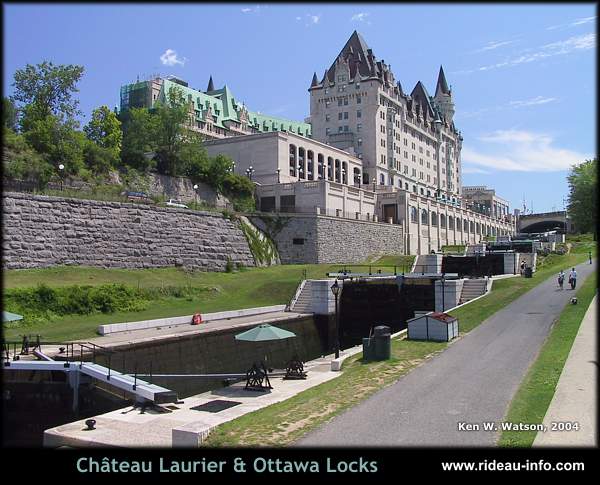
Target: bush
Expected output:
[229,266]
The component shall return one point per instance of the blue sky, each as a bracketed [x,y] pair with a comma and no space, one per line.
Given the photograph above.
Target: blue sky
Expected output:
[523,76]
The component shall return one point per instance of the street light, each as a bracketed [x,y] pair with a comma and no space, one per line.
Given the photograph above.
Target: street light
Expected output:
[61,169]
[196,195]
[374,182]
[232,167]
[335,289]
[278,175]
[249,172]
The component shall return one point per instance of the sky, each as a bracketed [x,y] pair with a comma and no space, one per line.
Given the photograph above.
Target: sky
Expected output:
[522,75]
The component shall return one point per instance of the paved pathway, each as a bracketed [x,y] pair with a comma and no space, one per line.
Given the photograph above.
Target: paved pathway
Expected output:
[575,396]
[473,381]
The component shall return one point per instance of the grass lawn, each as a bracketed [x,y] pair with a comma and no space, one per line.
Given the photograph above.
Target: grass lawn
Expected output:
[247,288]
[537,389]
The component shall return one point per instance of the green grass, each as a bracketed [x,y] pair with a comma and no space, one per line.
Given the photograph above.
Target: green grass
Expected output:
[457,248]
[533,397]
[282,423]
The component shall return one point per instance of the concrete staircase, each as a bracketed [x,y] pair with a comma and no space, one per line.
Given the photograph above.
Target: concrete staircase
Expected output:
[303,302]
[472,288]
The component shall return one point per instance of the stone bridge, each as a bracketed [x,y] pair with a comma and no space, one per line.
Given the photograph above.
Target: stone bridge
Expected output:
[546,221]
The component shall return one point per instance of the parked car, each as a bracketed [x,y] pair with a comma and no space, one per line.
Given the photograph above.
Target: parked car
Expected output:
[138,196]
[176,203]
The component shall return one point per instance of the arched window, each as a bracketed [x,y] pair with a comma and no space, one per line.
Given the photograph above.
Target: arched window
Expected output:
[413,214]
[466,226]
[443,221]
[356,176]
[301,163]
[459,224]
[321,168]
[345,173]
[450,222]
[310,165]
[381,179]
[471,227]
[424,217]
[434,218]
[337,170]
[293,160]
[329,168]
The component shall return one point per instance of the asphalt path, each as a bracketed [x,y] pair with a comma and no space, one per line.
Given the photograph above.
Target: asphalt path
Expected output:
[473,381]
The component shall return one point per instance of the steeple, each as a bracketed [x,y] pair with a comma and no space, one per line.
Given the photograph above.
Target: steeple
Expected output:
[442,85]
[211,86]
[315,81]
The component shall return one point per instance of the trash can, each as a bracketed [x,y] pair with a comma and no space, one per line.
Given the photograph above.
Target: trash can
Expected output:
[383,343]
[368,349]
[528,273]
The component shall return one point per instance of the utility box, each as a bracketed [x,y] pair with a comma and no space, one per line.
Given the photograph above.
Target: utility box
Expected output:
[436,326]
[528,273]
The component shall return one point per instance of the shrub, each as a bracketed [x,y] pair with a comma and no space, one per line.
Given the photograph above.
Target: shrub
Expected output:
[229,265]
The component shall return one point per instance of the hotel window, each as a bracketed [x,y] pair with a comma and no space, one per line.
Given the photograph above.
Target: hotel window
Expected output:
[340,101]
[345,115]
[358,127]
[358,113]
[340,129]
[327,117]
[346,127]
[357,85]
[406,169]
[326,91]
[345,101]
[340,114]
[359,141]
[327,103]
[327,131]
[358,100]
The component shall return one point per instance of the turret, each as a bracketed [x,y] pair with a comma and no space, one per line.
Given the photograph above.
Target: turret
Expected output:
[443,97]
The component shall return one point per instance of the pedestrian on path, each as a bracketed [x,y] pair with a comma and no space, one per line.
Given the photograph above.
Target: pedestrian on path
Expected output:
[590,255]
[522,267]
[561,278]
[573,278]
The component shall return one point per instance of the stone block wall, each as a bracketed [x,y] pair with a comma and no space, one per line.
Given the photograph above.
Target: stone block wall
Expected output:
[41,231]
[310,239]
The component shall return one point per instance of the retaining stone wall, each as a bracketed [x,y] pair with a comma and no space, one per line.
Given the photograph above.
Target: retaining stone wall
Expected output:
[41,231]
[331,239]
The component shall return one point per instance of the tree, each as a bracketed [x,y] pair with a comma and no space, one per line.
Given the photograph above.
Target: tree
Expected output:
[104,129]
[99,159]
[59,143]
[9,114]
[583,203]
[21,162]
[139,145]
[50,88]
[171,136]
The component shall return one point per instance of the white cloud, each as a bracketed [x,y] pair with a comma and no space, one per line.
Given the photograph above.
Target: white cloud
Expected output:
[311,19]
[169,58]
[521,151]
[298,18]
[246,10]
[360,17]
[251,10]
[567,46]
[468,169]
[575,23]
[494,45]
[315,18]
[532,102]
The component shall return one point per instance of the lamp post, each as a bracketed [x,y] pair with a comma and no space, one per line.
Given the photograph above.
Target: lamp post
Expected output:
[335,289]
[61,169]
[374,182]
[196,195]
[278,175]
[249,172]
[232,167]
[443,280]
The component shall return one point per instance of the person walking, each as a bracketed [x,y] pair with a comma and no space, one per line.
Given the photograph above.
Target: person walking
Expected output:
[561,278]
[590,255]
[522,267]
[573,278]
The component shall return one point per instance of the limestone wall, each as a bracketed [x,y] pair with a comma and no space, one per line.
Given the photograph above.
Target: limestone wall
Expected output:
[41,231]
[323,239]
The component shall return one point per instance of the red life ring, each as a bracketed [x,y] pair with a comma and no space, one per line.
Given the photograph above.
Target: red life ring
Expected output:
[196,319]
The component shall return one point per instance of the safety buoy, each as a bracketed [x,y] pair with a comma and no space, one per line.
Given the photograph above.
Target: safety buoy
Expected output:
[196,319]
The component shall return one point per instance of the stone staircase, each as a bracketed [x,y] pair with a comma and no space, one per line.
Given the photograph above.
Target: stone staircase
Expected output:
[472,288]
[303,301]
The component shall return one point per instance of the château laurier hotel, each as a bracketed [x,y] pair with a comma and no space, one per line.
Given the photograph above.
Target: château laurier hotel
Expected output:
[369,151]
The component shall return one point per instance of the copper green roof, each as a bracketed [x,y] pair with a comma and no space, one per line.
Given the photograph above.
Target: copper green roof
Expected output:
[224,107]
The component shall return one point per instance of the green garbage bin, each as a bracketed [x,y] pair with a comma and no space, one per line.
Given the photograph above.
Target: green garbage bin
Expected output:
[383,343]
[528,273]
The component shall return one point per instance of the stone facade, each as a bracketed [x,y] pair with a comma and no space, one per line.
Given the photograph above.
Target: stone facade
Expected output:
[316,239]
[42,231]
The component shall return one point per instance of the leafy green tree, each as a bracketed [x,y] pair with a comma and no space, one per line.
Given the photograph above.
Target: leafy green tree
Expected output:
[219,168]
[104,129]
[139,145]
[194,159]
[172,133]
[50,88]
[9,114]
[21,162]
[583,197]
[99,160]
[59,143]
